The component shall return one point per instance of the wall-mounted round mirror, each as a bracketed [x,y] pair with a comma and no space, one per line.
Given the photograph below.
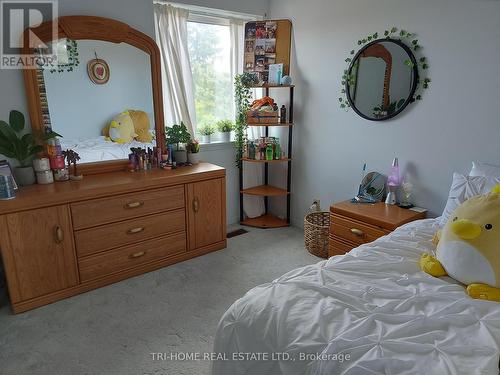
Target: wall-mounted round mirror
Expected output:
[382,79]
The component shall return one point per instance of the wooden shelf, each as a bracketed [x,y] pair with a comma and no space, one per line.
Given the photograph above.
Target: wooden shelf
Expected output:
[271,86]
[278,124]
[265,221]
[265,161]
[265,191]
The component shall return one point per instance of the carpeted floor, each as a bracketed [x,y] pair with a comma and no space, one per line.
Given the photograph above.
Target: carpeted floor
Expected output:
[114,329]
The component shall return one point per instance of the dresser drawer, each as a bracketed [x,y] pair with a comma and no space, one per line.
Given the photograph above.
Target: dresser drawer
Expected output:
[106,263]
[337,246]
[89,241]
[354,231]
[107,210]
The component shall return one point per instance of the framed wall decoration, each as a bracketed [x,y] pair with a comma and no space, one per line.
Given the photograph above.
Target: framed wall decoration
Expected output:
[267,43]
[98,71]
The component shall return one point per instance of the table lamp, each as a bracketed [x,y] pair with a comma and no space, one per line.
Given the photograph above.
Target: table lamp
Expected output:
[393,182]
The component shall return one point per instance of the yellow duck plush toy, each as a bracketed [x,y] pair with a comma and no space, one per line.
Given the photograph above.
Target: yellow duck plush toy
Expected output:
[469,246]
[120,129]
[141,126]
[129,123]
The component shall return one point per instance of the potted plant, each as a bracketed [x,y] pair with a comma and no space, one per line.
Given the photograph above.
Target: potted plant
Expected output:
[177,135]
[206,131]
[21,147]
[194,152]
[225,127]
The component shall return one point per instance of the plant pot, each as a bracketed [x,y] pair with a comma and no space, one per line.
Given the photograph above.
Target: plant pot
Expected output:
[194,158]
[225,137]
[180,156]
[25,175]
[205,139]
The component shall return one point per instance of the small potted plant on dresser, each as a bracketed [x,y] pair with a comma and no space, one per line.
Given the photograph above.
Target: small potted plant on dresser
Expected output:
[225,127]
[21,147]
[193,152]
[178,135]
[206,132]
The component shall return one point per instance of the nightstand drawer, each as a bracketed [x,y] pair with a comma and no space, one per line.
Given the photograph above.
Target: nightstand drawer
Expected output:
[354,231]
[337,246]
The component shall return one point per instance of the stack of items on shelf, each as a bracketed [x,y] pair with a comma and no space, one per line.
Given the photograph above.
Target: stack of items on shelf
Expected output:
[266,111]
[265,148]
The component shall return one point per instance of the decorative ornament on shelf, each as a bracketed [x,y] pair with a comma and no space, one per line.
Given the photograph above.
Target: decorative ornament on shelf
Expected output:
[71,158]
[286,81]
[416,61]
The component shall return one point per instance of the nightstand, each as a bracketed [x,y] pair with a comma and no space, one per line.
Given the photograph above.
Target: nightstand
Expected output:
[353,224]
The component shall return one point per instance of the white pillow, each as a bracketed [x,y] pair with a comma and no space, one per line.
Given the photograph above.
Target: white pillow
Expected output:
[483,169]
[463,188]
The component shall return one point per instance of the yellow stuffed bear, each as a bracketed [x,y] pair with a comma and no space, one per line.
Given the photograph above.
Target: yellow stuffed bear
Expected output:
[469,245]
[121,129]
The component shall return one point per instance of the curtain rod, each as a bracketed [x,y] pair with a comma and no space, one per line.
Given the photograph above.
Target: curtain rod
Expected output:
[211,12]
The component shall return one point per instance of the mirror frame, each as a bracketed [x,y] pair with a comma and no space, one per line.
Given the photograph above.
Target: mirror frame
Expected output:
[413,87]
[103,29]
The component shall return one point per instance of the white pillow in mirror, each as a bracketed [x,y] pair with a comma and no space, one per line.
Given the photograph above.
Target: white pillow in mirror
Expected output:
[483,169]
[465,187]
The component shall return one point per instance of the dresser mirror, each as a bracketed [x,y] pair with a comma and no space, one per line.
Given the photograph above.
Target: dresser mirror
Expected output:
[382,79]
[101,92]
[82,110]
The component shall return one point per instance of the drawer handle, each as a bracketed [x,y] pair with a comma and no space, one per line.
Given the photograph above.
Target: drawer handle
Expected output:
[134,204]
[137,255]
[135,230]
[196,205]
[58,234]
[357,232]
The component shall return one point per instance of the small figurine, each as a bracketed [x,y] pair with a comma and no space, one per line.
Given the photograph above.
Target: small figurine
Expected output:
[71,158]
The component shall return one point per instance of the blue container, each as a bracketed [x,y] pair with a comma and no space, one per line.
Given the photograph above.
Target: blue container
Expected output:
[7,188]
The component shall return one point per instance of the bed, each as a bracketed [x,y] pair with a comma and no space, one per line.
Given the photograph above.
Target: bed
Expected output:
[99,149]
[371,311]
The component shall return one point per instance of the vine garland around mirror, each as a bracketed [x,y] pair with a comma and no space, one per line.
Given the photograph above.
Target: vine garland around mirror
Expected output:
[384,76]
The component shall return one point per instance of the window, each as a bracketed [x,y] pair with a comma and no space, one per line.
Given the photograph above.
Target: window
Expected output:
[209,46]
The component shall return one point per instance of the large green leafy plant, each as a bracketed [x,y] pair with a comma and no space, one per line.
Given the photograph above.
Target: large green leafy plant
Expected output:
[17,146]
[243,97]
[177,134]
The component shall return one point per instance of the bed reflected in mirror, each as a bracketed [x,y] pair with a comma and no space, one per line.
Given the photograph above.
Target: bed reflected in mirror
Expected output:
[103,104]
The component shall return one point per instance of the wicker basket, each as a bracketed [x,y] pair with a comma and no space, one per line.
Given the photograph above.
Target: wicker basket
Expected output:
[316,228]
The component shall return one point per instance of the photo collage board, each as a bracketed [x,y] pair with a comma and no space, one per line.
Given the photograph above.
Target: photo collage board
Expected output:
[260,47]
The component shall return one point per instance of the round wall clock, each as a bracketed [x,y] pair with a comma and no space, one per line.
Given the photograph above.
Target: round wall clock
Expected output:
[98,71]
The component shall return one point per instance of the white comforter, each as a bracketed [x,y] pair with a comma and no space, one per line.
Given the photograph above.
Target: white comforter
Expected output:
[99,149]
[373,305]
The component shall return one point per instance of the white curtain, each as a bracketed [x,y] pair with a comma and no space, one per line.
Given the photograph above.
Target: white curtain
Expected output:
[177,79]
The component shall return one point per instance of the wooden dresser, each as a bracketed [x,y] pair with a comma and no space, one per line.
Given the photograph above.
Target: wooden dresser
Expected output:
[353,224]
[66,238]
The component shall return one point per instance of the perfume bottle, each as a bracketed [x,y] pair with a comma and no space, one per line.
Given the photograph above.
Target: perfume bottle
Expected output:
[393,182]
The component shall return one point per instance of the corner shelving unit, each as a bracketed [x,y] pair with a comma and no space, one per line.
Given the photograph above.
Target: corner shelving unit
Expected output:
[267,220]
